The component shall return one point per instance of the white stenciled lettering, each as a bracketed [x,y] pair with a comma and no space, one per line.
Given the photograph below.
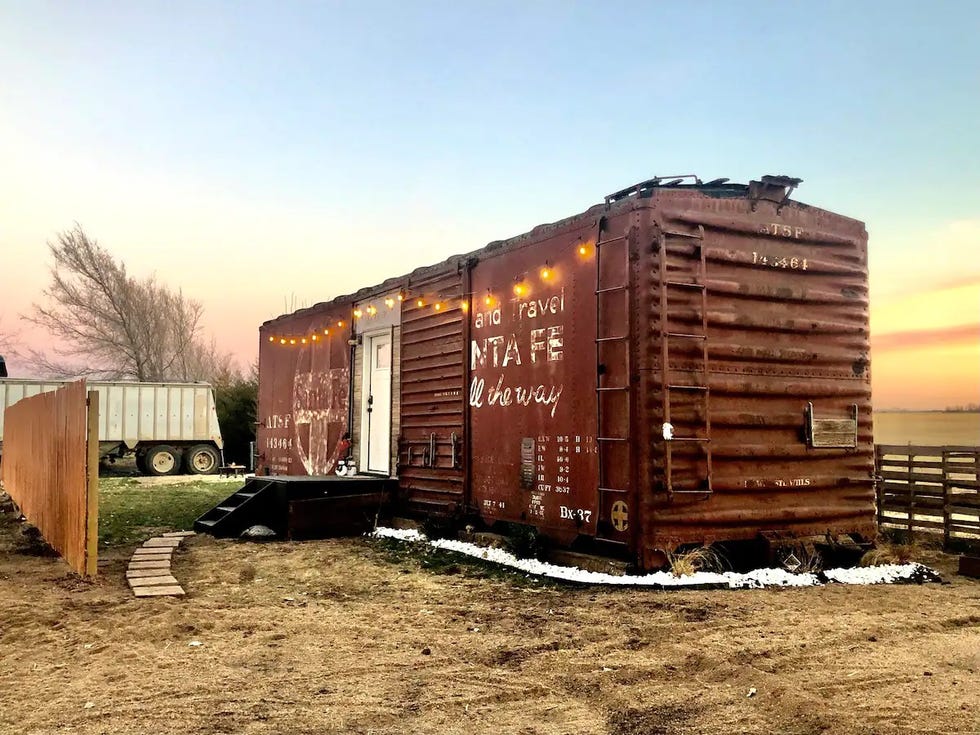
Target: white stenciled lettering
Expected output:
[539,307]
[483,319]
[556,342]
[574,514]
[552,345]
[503,395]
[512,353]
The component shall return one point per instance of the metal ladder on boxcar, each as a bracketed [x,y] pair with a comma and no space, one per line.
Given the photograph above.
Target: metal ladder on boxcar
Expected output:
[612,380]
[698,390]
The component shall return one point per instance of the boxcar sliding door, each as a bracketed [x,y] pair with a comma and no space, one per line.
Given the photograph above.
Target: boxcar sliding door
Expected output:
[431,462]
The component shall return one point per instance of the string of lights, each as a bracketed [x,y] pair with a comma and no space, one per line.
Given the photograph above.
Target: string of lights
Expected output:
[521,288]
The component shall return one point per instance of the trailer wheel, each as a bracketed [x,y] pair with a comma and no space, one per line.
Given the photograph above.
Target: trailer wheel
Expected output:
[162,460]
[201,459]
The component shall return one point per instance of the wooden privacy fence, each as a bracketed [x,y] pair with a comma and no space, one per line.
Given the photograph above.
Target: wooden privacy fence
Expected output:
[933,489]
[50,469]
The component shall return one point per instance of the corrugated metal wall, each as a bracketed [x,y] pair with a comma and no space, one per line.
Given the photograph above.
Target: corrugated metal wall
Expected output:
[50,469]
[303,391]
[787,325]
[532,391]
[432,353]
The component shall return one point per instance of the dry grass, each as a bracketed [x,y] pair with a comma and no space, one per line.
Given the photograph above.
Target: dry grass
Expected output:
[887,553]
[810,560]
[342,637]
[701,559]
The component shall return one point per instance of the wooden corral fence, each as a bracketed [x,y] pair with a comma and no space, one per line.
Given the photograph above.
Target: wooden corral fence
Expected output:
[929,489]
[50,469]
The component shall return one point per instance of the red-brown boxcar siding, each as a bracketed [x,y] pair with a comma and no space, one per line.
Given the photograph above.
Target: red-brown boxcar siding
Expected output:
[431,456]
[546,407]
[303,403]
[787,324]
[532,387]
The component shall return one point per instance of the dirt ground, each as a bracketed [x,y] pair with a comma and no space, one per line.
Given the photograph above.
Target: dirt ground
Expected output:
[341,636]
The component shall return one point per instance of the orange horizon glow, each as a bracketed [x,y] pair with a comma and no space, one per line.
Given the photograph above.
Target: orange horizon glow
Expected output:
[925,346]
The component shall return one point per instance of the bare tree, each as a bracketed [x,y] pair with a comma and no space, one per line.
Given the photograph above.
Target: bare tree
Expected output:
[6,344]
[112,325]
[6,338]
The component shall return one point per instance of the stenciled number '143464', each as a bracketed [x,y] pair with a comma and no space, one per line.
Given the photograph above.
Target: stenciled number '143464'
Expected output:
[779,262]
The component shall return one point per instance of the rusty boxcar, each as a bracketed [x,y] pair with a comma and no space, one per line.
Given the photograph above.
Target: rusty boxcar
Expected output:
[687,362]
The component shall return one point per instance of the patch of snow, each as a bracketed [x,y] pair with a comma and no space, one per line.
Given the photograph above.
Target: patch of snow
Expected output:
[758,578]
[883,574]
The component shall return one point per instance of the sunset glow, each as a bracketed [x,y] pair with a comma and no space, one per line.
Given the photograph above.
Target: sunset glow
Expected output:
[259,182]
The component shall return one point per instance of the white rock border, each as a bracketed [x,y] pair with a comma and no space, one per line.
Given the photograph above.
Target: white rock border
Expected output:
[758,578]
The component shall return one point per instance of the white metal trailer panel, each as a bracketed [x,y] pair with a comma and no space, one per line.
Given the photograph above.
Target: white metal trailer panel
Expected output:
[137,412]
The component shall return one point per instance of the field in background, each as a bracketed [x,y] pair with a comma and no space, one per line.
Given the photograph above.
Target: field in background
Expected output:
[927,428]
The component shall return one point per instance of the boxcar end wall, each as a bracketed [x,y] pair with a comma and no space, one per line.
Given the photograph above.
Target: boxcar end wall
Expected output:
[683,364]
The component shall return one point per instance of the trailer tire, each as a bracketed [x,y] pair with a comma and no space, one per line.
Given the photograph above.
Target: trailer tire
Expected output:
[162,460]
[201,459]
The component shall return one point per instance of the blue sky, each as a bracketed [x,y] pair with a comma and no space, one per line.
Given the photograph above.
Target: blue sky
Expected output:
[285,142]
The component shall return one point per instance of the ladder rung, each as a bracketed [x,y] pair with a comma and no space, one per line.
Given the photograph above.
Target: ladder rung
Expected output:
[611,288]
[685,335]
[612,339]
[703,491]
[673,233]
[612,438]
[683,284]
[609,240]
[612,490]
[687,387]
[689,439]
[614,387]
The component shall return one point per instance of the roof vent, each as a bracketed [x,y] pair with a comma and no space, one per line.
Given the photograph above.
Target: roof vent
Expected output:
[773,189]
[656,181]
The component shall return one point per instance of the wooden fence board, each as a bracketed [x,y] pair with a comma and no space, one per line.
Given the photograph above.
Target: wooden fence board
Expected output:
[932,489]
[50,469]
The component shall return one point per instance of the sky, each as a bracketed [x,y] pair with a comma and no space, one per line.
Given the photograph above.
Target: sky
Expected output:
[267,156]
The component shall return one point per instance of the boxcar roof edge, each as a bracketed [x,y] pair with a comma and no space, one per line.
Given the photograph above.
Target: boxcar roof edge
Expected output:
[497,247]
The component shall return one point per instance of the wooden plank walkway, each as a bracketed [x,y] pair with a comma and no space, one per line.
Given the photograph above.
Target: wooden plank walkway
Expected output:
[149,568]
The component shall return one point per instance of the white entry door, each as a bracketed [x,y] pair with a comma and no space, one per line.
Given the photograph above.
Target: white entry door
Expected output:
[376,405]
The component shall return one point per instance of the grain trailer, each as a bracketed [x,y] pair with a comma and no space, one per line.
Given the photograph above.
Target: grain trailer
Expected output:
[170,427]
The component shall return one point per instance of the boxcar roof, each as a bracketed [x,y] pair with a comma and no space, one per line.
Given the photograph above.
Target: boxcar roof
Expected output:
[617,201]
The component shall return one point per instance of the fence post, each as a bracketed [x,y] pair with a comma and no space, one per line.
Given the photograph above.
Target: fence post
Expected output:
[92,486]
[911,465]
[879,486]
[947,482]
